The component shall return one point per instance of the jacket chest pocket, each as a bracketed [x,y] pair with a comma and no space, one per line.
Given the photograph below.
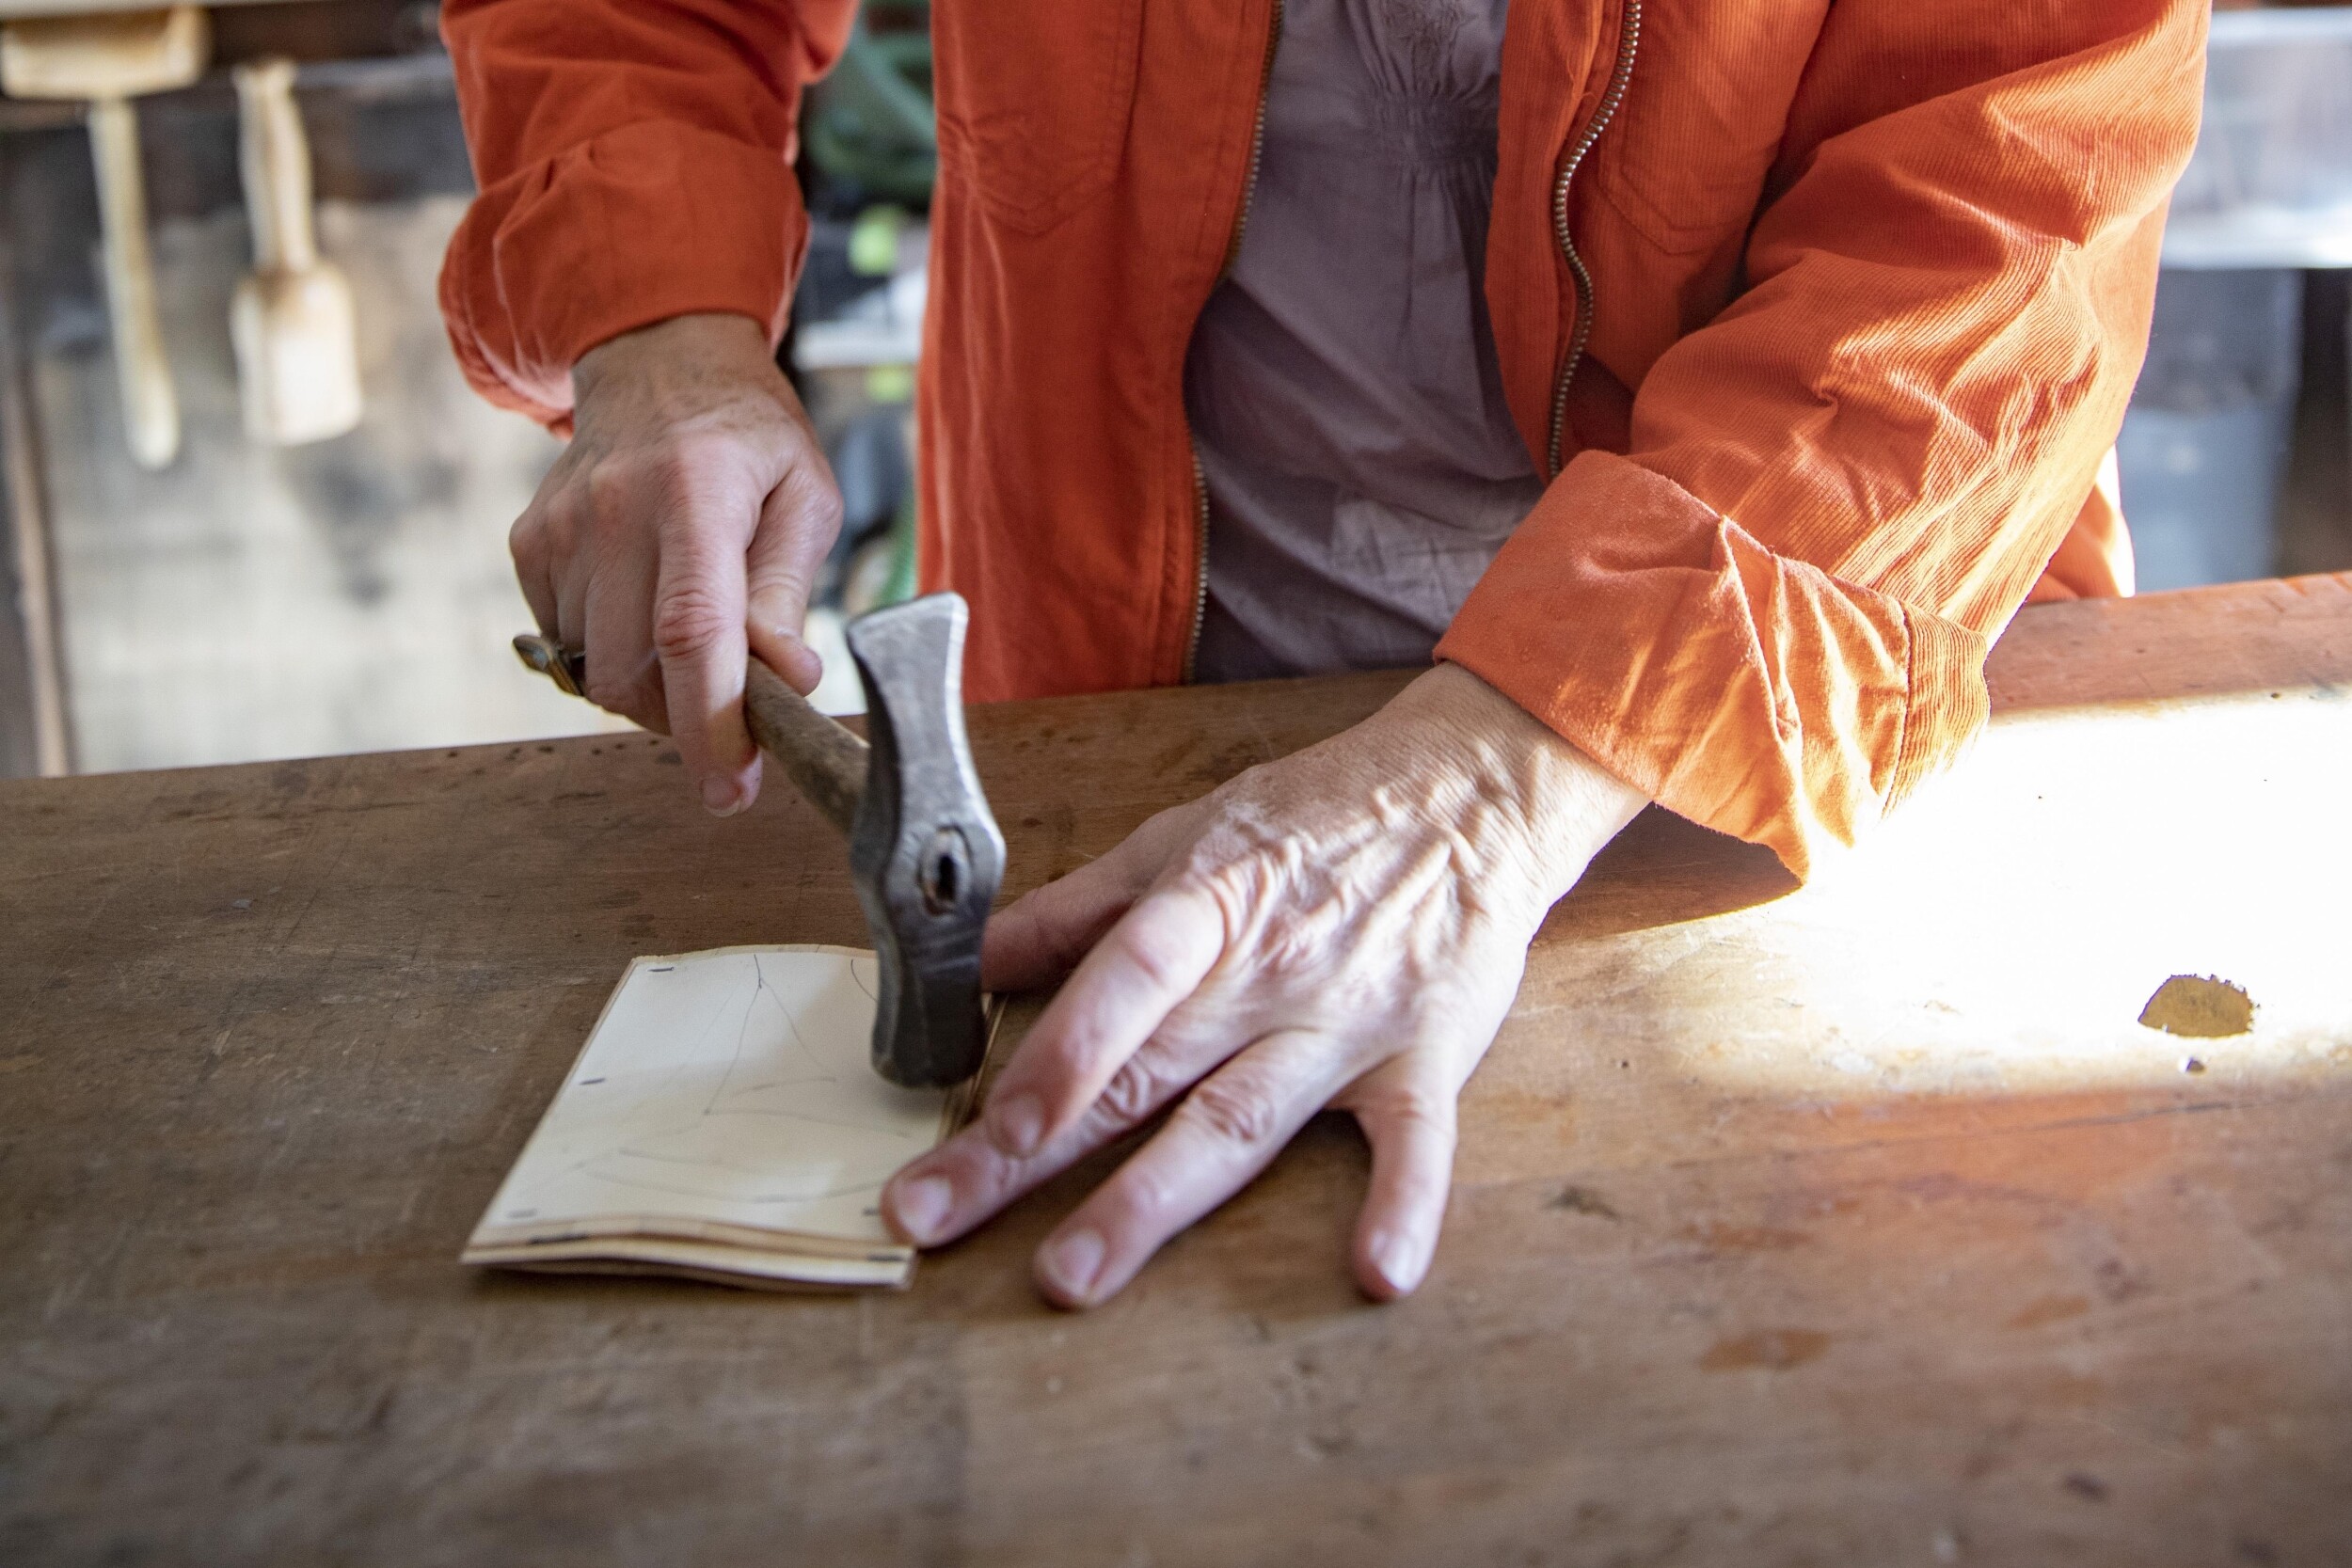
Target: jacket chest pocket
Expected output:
[1685,160]
[1034,98]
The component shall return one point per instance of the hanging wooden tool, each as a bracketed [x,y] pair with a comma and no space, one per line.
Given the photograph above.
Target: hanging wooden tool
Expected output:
[108,59]
[291,321]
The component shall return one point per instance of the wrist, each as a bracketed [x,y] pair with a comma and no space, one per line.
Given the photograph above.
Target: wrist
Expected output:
[1559,805]
[700,339]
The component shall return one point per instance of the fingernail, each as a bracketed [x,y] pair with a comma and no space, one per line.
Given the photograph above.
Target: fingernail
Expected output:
[720,797]
[919,1205]
[1017,1124]
[1399,1259]
[1072,1262]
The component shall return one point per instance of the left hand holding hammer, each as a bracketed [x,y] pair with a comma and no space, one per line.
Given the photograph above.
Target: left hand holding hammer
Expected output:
[1345,927]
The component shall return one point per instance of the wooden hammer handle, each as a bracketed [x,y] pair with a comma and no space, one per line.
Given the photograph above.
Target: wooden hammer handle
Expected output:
[274,157]
[151,410]
[827,764]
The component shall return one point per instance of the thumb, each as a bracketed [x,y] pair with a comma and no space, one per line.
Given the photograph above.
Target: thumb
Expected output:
[797,524]
[1407,1109]
[1042,936]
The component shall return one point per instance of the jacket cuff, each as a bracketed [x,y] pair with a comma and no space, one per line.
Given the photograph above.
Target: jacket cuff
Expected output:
[647,222]
[1752,693]
[1949,702]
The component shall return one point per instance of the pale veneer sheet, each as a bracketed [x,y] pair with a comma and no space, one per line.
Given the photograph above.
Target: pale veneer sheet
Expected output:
[722,1122]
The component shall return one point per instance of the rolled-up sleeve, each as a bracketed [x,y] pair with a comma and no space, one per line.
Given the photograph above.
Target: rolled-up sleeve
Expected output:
[634,164]
[1772,613]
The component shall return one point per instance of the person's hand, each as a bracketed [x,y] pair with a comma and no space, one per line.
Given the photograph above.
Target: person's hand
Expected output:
[682,528]
[1343,928]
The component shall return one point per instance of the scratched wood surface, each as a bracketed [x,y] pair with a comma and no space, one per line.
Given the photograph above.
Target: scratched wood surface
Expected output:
[1862,1224]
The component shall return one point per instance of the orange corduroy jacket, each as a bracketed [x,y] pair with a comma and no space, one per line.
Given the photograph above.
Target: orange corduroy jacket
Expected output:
[1822,314]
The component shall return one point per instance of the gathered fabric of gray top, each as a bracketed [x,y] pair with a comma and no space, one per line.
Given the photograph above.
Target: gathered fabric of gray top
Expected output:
[1363,469]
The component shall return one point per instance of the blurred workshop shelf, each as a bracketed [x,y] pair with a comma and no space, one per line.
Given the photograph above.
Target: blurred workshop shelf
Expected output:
[2270,184]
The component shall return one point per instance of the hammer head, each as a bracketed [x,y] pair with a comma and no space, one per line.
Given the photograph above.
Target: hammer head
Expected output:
[925,851]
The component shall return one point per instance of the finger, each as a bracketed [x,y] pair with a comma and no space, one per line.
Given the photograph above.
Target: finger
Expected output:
[528,543]
[604,605]
[1226,1132]
[1408,1112]
[698,633]
[1155,956]
[1046,933]
[797,524]
[967,1181]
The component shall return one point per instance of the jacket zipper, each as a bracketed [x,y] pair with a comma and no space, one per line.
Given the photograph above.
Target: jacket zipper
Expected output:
[1232,256]
[1628,44]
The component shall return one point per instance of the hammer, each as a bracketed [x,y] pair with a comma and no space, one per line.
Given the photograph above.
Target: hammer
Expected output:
[925,852]
[291,320]
[109,59]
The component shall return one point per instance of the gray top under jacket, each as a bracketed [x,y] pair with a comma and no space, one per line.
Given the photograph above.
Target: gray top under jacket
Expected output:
[1363,469]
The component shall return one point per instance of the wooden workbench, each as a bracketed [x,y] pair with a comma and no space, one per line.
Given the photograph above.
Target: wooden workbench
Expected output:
[1862,1226]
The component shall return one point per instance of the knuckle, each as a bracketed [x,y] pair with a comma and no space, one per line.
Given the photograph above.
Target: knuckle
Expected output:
[1234,1112]
[1411,1106]
[627,691]
[527,541]
[1146,1196]
[691,467]
[1419,1111]
[618,694]
[631,490]
[688,623]
[1153,957]
[1166,838]
[1133,1093]
[546,530]
[609,487]
[688,446]
[816,499]
[1236,880]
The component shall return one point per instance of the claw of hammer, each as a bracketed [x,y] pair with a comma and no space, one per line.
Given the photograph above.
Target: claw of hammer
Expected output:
[925,852]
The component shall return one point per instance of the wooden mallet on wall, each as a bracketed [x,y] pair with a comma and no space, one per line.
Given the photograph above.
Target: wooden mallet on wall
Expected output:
[291,321]
[108,59]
